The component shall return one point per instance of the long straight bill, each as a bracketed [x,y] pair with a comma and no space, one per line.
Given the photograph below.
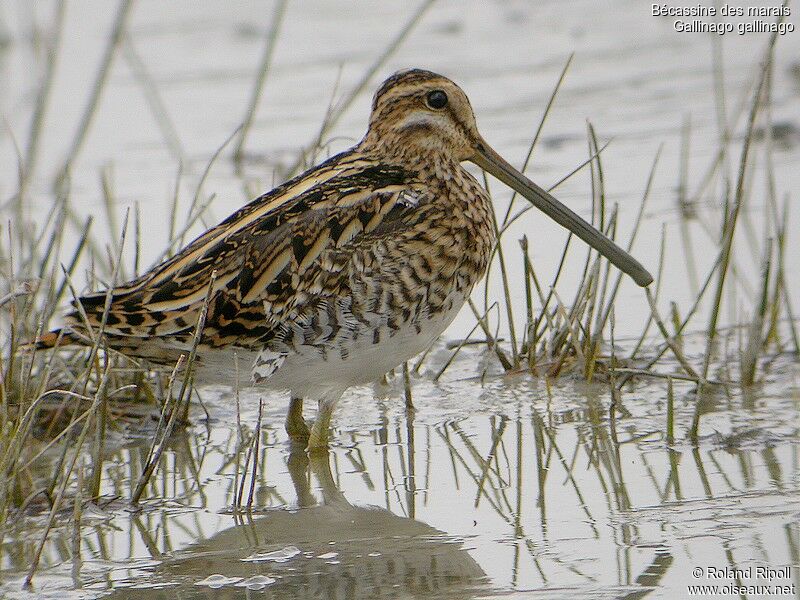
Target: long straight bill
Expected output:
[491,162]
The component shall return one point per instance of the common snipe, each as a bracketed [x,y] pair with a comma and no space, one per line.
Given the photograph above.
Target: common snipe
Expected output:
[342,273]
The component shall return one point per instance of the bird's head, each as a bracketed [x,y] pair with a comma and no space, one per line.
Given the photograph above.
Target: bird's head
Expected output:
[419,117]
[417,113]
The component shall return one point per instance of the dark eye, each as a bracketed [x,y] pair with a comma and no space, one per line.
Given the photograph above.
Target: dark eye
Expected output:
[437,99]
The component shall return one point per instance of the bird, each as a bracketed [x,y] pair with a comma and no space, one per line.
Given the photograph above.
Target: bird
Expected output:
[339,275]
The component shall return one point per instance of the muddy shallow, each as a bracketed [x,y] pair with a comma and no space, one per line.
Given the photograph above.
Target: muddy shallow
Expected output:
[495,485]
[496,489]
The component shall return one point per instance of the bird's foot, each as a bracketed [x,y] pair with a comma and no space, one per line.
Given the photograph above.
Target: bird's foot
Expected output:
[317,444]
[295,424]
[298,431]
[318,438]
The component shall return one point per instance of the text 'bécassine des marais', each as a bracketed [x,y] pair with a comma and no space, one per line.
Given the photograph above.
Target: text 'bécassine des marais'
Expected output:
[759,25]
[726,10]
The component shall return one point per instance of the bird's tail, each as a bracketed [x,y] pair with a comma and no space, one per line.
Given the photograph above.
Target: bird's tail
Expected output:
[58,338]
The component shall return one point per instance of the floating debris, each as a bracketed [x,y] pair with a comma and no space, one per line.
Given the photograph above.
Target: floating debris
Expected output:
[256,582]
[278,556]
[217,581]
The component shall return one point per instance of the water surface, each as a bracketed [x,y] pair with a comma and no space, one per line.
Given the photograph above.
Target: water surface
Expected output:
[494,485]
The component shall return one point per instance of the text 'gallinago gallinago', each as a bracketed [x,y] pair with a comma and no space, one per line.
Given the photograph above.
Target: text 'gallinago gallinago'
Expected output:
[341,274]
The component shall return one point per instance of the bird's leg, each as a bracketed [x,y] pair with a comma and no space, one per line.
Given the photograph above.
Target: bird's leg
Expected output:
[318,440]
[295,424]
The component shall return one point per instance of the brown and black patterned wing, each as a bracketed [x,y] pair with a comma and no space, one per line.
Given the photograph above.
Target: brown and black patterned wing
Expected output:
[271,258]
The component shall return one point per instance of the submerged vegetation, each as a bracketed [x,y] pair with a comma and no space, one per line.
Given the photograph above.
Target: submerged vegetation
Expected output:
[75,402]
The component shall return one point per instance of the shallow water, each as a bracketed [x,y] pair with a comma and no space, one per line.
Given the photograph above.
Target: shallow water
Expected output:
[483,490]
[634,78]
[495,485]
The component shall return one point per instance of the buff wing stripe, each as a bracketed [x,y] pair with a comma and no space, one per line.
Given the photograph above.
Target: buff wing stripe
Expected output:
[270,257]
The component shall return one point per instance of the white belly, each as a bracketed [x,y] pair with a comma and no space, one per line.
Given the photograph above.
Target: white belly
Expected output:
[309,374]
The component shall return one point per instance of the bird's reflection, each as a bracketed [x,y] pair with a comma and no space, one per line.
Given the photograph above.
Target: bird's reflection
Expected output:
[325,548]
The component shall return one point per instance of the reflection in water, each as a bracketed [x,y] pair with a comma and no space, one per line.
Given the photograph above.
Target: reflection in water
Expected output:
[331,549]
[517,487]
